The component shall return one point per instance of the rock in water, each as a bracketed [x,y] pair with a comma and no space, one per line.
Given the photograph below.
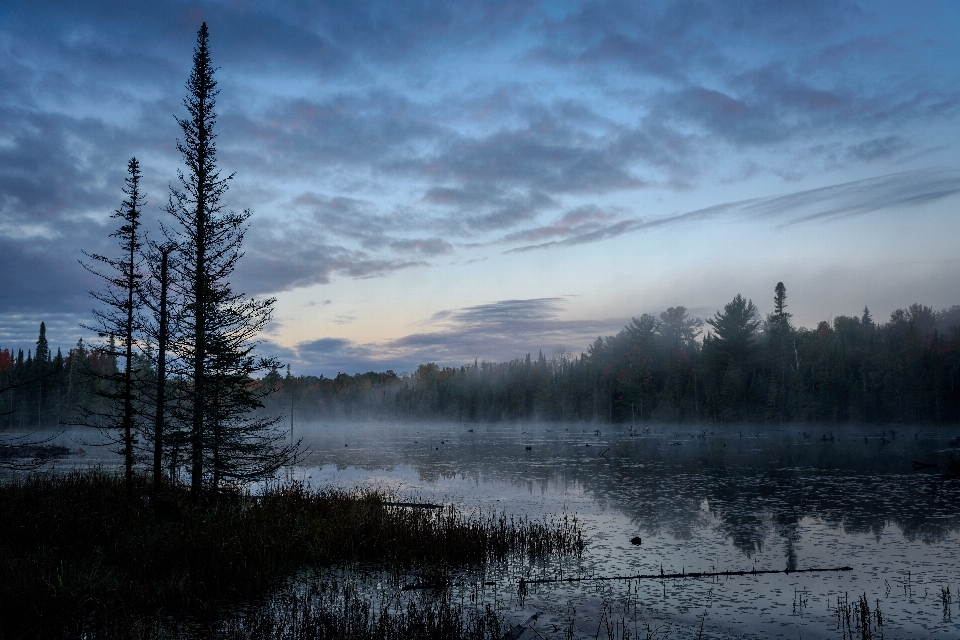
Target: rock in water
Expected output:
[636,540]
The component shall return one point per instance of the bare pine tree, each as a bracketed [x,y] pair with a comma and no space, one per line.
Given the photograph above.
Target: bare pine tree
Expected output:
[158,328]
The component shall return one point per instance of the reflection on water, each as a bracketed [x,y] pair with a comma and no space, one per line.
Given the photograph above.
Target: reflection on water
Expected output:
[700,500]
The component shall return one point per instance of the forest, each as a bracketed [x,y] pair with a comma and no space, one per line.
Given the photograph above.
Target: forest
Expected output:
[736,367]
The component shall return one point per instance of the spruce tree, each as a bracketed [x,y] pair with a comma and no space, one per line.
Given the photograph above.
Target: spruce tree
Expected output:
[117,317]
[218,327]
[43,354]
[778,324]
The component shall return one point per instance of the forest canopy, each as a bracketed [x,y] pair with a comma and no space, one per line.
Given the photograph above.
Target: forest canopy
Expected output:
[735,367]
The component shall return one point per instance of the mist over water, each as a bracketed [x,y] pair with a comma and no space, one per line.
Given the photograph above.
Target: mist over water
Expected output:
[713,499]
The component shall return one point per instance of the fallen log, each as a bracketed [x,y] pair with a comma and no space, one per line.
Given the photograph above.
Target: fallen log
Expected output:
[675,576]
[413,505]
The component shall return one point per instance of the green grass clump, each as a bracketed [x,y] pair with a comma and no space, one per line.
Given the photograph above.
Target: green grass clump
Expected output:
[80,553]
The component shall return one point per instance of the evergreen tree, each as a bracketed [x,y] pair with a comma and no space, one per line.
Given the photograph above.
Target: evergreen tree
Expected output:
[735,330]
[117,318]
[678,329]
[43,354]
[731,353]
[778,330]
[218,326]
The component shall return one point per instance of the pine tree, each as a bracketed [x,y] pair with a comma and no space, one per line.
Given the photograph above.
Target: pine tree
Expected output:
[43,354]
[117,318]
[778,324]
[730,353]
[218,326]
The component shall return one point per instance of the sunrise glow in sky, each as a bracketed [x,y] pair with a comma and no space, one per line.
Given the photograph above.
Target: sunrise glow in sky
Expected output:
[456,181]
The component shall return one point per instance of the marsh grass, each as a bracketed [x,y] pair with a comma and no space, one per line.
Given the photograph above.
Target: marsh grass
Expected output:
[80,555]
[337,610]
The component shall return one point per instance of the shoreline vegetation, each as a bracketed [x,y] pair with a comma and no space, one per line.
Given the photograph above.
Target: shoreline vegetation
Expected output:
[82,555]
[853,370]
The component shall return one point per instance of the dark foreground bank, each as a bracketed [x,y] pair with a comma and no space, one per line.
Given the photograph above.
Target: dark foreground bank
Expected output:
[82,556]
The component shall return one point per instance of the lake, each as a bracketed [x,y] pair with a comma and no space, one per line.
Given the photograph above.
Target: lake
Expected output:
[714,499]
[734,498]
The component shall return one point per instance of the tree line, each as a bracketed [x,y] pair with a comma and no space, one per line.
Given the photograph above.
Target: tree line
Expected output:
[42,389]
[172,379]
[736,366]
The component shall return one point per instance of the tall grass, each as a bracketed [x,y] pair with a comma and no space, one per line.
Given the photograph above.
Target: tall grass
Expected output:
[337,611]
[79,553]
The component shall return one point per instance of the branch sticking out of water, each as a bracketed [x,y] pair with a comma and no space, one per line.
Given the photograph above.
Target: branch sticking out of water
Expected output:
[674,576]
[413,505]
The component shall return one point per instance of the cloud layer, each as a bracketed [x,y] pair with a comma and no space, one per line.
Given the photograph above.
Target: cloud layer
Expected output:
[494,332]
[372,138]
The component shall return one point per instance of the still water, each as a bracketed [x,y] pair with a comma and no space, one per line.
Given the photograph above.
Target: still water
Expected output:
[700,500]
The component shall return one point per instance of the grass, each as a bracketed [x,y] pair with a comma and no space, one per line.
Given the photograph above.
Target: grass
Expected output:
[336,611]
[82,556]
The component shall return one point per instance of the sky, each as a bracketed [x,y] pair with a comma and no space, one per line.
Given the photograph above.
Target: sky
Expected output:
[445,182]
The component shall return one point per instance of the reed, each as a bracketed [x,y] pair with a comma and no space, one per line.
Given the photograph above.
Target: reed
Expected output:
[80,553]
[337,611]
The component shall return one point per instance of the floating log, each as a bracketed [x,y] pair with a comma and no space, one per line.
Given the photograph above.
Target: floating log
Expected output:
[674,576]
[413,505]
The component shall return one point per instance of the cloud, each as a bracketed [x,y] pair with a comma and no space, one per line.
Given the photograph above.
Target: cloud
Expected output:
[860,197]
[579,221]
[476,209]
[376,137]
[323,345]
[302,136]
[667,40]
[279,262]
[36,278]
[495,332]
[50,169]
[909,188]
[560,159]
[878,148]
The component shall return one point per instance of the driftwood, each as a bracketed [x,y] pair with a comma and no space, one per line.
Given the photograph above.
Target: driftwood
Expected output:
[674,576]
[413,505]
[648,576]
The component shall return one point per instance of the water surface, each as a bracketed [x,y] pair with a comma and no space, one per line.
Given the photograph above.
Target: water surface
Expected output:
[734,498]
[714,499]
